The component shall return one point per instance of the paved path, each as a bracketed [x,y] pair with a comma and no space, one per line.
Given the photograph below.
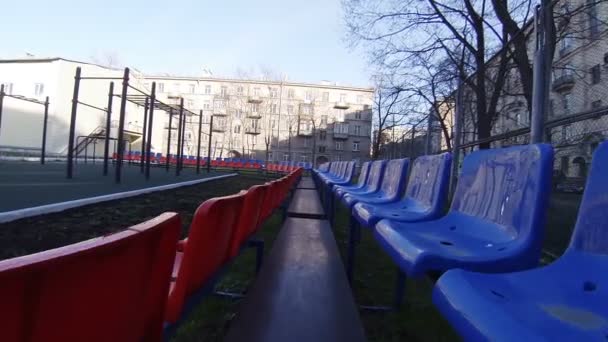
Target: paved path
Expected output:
[29,184]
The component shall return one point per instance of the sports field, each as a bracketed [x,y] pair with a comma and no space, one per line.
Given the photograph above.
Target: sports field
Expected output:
[29,184]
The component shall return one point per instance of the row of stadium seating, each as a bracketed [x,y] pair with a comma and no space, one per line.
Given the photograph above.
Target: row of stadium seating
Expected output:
[233,163]
[135,285]
[486,248]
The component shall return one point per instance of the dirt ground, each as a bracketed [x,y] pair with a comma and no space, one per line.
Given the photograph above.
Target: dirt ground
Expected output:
[40,233]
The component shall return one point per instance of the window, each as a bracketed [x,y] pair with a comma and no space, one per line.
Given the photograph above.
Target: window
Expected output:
[161,87]
[322,135]
[306,141]
[566,102]
[565,132]
[356,146]
[8,88]
[191,88]
[290,110]
[323,120]
[565,44]
[340,114]
[357,130]
[304,158]
[285,156]
[256,91]
[238,113]
[322,149]
[239,90]
[359,99]
[325,97]
[596,74]
[237,129]
[596,104]
[342,98]
[274,93]
[224,91]
[291,93]
[255,107]
[308,96]
[594,21]
[206,105]
[358,115]
[39,89]
[339,146]
[190,104]
[273,124]
[207,89]
[341,129]
[274,108]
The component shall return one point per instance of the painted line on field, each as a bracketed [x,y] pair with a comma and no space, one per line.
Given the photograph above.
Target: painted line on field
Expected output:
[18,214]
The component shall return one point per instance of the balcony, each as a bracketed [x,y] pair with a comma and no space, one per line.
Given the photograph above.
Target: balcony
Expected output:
[563,83]
[254,99]
[253,130]
[304,132]
[219,108]
[254,115]
[219,127]
[340,136]
[341,105]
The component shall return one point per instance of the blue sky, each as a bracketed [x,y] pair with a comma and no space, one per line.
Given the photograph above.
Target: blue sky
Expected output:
[303,39]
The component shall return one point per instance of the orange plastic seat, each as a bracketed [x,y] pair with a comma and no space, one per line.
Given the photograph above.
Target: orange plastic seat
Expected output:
[205,251]
[111,288]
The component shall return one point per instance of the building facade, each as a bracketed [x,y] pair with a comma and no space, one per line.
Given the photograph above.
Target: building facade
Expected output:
[281,121]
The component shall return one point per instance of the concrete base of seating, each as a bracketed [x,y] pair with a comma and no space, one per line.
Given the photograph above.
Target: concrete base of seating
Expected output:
[306,183]
[306,204]
[301,293]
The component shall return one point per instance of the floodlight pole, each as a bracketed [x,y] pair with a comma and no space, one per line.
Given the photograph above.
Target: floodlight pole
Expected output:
[121,125]
[44,128]
[542,70]
[150,123]
[70,171]
[106,150]
[1,104]
[181,159]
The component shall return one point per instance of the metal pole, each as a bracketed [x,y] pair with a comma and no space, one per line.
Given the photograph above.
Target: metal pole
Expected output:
[429,131]
[150,123]
[144,134]
[542,71]
[198,144]
[168,159]
[456,136]
[1,104]
[106,149]
[121,125]
[209,145]
[94,149]
[73,124]
[179,135]
[412,147]
[44,128]
[181,159]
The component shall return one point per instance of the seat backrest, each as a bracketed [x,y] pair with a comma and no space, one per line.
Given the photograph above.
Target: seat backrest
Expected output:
[376,173]
[509,187]
[591,229]
[248,218]
[429,181]
[207,249]
[349,171]
[395,177]
[111,288]
[363,173]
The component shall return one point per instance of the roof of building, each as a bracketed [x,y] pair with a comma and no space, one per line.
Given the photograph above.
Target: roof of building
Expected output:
[193,78]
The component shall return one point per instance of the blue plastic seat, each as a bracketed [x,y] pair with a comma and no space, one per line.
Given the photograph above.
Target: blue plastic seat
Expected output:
[360,182]
[345,176]
[391,187]
[372,183]
[425,195]
[495,224]
[564,301]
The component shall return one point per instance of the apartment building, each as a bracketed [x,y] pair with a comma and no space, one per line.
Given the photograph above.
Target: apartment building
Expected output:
[251,118]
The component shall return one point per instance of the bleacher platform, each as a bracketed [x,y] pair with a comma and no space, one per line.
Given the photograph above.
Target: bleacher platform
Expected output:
[482,255]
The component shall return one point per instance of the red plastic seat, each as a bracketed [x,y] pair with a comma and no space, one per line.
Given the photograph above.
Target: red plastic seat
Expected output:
[206,250]
[111,288]
[249,217]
